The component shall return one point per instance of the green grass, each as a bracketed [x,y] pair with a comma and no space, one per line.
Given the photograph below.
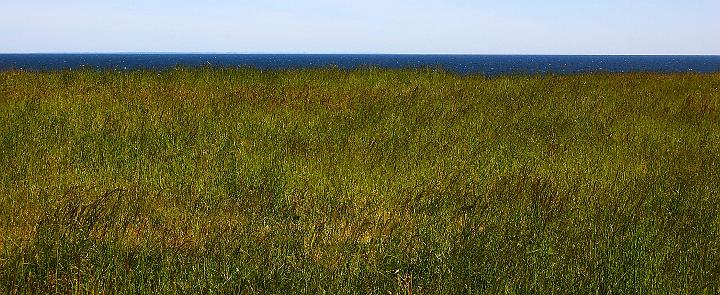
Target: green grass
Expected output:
[367,181]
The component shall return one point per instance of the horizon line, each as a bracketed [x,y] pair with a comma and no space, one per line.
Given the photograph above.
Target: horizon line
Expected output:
[354,53]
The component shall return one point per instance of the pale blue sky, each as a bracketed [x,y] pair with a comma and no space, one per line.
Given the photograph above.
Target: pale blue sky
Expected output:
[369,26]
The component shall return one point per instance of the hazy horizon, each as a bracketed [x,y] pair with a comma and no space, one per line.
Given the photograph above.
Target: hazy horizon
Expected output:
[350,53]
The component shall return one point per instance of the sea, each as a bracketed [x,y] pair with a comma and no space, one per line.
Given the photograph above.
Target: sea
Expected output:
[488,65]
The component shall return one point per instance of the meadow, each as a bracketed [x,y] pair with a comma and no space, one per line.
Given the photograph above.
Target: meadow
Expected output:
[370,181]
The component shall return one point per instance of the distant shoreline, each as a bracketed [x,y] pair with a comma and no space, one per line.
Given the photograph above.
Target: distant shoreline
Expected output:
[489,65]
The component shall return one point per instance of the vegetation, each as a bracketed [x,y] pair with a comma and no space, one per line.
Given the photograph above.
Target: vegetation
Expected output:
[366,181]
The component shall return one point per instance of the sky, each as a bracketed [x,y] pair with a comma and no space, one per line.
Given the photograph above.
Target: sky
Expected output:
[369,26]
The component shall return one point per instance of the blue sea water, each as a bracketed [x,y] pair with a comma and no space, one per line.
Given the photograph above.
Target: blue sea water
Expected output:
[490,65]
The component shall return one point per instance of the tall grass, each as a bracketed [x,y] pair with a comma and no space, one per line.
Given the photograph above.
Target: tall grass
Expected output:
[366,181]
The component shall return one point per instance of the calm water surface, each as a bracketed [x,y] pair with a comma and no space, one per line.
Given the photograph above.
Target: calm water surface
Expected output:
[490,65]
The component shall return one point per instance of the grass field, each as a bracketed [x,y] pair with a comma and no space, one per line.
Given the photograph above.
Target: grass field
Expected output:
[367,181]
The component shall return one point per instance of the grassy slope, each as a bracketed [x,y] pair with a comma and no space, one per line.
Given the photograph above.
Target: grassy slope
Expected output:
[359,182]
